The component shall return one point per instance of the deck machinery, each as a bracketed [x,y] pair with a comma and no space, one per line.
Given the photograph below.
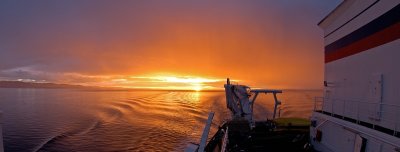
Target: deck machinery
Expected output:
[242,133]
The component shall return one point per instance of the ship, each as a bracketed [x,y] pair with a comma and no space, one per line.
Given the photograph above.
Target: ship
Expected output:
[360,108]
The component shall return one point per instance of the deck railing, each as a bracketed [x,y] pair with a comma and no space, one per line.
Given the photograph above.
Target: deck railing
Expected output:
[379,116]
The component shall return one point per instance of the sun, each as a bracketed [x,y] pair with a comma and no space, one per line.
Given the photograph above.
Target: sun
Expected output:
[197,88]
[178,82]
[191,83]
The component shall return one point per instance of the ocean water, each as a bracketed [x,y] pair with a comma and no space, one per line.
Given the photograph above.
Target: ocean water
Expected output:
[81,120]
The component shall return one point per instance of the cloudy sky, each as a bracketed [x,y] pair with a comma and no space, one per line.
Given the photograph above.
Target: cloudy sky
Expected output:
[164,43]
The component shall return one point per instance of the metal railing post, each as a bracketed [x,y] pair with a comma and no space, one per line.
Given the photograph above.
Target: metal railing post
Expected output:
[344,109]
[358,112]
[225,140]
[332,107]
[396,122]
[206,130]
[1,132]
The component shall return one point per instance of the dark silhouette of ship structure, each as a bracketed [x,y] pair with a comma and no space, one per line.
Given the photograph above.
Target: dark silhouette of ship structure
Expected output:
[243,133]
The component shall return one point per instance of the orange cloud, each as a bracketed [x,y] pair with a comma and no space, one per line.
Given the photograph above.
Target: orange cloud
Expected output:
[264,43]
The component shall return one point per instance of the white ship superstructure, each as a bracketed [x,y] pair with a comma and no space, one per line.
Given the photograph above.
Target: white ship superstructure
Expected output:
[360,110]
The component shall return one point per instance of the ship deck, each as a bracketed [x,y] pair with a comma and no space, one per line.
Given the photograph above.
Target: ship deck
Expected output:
[265,136]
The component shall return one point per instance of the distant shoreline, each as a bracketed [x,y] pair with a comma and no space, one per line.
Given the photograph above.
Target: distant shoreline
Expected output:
[33,85]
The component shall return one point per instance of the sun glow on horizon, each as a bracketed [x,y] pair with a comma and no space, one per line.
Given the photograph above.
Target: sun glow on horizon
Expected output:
[185,79]
[180,82]
[148,82]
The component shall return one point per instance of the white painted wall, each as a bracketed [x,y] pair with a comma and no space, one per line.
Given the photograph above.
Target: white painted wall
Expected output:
[352,81]
[351,77]
[339,136]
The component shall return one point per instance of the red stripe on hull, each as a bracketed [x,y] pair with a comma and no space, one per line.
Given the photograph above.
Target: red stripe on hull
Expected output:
[379,38]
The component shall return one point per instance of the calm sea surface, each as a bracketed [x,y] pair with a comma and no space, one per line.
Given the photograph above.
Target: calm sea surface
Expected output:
[77,120]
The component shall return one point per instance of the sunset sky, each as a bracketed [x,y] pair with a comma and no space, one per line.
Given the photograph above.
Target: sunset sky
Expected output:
[164,44]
